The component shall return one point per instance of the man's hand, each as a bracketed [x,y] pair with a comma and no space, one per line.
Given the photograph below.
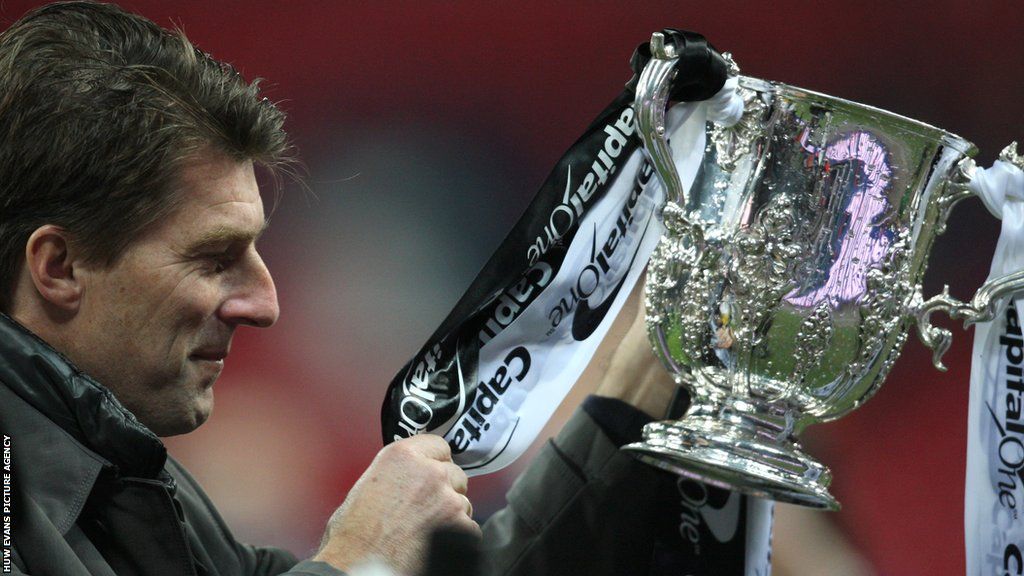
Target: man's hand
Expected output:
[411,488]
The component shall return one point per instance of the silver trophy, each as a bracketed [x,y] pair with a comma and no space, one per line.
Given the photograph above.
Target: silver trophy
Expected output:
[790,274]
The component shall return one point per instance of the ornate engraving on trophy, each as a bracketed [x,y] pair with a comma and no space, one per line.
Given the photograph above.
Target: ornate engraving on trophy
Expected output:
[812,341]
[883,312]
[733,142]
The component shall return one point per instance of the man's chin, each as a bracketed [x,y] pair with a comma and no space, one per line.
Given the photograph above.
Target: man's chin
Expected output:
[197,413]
[203,408]
[202,414]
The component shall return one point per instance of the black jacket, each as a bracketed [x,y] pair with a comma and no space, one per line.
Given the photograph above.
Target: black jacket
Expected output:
[95,493]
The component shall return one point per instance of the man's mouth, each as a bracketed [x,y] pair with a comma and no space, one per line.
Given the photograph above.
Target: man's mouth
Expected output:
[210,354]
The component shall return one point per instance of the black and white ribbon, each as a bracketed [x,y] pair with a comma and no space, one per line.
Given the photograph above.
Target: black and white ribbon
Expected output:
[489,385]
[994,504]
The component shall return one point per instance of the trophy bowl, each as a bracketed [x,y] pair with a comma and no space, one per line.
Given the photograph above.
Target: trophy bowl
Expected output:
[789,275]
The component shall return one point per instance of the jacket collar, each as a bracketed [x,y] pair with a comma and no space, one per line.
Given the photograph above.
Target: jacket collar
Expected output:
[63,421]
[50,467]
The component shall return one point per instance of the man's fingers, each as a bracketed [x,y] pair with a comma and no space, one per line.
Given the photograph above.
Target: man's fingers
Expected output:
[466,522]
[473,527]
[457,477]
[469,506]
[428,445]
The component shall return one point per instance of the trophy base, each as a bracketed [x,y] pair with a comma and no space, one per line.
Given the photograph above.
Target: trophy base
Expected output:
[736,458]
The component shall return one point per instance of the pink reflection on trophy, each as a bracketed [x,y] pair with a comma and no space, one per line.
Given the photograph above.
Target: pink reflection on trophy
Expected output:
[862,239]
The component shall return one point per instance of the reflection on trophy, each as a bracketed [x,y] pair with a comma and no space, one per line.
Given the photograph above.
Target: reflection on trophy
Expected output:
[790,274]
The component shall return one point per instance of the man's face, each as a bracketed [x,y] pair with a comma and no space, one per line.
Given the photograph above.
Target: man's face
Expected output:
[156,327]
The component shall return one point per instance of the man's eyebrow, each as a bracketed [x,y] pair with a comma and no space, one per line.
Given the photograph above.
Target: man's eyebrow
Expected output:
[226,235]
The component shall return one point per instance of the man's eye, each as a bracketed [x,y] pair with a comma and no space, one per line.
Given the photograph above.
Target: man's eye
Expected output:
[218,263]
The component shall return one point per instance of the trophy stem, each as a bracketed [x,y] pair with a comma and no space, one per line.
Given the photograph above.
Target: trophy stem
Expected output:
[737,450]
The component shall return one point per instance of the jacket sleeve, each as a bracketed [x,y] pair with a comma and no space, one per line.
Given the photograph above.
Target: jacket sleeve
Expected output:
[581,507]
[209,529]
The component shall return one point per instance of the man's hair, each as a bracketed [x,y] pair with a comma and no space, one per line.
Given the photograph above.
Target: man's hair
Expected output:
[99,111]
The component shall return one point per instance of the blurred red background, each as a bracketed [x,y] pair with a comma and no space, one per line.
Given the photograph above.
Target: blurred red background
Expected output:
[426,127]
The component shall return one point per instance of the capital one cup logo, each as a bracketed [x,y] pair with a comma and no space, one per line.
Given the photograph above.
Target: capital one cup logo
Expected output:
[1007,458]
[718,511]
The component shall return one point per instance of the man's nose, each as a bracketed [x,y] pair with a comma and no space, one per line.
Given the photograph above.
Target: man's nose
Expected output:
[253,301]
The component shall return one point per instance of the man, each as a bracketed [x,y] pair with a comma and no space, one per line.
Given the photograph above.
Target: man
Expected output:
[129,213]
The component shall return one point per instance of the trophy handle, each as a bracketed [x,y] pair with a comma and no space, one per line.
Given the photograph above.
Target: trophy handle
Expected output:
[981,308]
[652,95]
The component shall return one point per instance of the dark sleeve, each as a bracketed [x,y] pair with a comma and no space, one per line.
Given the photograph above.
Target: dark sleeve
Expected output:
[212,541]
[583,506]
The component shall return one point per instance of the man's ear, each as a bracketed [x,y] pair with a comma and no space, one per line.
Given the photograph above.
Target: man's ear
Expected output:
[50,263]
